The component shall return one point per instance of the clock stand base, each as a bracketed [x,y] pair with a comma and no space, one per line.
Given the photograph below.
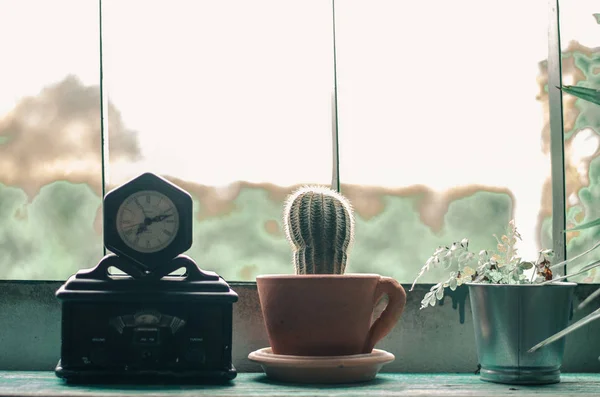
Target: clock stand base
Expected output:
[146,326]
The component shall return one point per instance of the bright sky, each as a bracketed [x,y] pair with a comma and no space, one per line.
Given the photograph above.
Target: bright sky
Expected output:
[430,92]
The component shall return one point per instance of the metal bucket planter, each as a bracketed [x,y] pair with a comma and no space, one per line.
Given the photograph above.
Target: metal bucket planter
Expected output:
[509,320]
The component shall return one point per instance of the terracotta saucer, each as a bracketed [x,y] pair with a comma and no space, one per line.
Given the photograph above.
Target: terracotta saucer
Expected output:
[321,369]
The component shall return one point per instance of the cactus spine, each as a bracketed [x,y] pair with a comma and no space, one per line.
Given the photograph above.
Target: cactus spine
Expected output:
[319,225]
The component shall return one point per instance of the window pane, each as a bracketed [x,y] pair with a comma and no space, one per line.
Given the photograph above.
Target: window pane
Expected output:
[231,100]
[580,39]
[50,163]
[443,127]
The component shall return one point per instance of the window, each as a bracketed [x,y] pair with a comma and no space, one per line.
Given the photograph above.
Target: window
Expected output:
[238,112]
[580,36]
[442,127]
[442,117]
[50,142]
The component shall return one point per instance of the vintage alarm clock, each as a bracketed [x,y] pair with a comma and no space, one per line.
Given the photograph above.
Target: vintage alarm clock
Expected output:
[149,323]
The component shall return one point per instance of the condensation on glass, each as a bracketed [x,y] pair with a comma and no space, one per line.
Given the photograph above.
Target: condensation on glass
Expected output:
[231,100]
[50,163]
[580,41]
[443,128]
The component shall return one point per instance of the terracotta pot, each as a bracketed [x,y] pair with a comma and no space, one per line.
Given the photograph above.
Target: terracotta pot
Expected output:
[327,315]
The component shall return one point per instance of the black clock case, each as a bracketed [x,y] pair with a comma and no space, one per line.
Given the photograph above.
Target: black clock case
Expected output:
[180,198]
[146,327]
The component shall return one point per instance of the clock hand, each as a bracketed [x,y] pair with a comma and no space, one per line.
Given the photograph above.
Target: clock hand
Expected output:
[128,227]
[143,226]
[141,207]
[160,218]
[141,229]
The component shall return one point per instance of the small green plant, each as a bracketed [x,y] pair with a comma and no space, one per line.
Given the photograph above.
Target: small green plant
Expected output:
[319,224]
[500,266]
[593,96]
[587,94]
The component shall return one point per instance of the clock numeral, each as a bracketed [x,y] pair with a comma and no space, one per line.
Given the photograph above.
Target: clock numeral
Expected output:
[148,199]
[170,221]
[147,243]
[136,241]
[126,221]
[168,233]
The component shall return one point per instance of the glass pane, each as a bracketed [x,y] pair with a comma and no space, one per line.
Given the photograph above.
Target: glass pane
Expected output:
[50,163]
[580,40]
[443,127]
[231,100]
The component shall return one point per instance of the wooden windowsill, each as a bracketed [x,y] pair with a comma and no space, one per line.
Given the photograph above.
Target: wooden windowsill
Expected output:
[18,383]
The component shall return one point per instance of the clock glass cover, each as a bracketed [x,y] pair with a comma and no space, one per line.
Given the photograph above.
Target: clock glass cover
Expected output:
[147,221]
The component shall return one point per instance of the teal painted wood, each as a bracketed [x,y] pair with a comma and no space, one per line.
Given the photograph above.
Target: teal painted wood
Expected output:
[13,383]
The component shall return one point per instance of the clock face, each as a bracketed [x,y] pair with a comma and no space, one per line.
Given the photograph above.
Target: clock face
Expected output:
[147,221]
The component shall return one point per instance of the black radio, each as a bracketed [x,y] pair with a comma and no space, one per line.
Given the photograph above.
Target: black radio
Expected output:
[176,327]
[150,323]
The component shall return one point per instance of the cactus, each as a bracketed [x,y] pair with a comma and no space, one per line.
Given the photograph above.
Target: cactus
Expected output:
[319,225]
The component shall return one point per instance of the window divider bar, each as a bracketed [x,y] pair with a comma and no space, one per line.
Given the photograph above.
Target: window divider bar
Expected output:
[103,113]
[335,175]
[557,153]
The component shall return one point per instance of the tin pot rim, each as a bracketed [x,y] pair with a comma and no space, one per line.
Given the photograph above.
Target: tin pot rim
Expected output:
[556,284]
